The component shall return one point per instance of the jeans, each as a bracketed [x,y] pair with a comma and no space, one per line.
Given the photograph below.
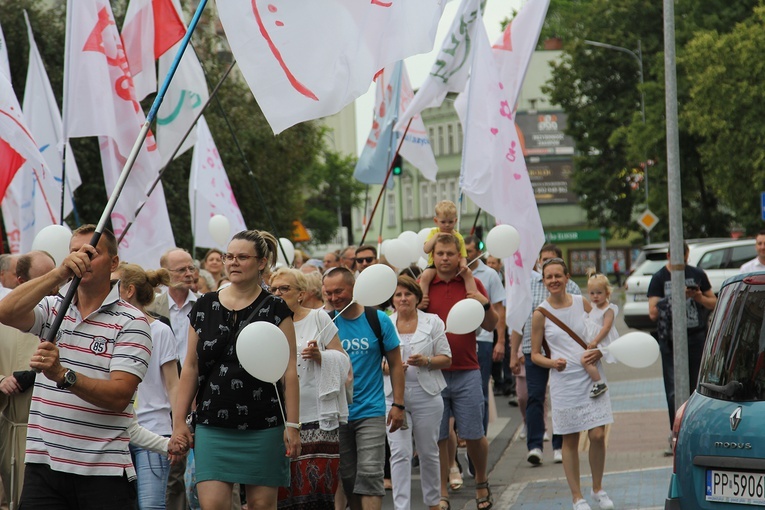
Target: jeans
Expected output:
[536,384]
[485,352]
[152,470]
[695,352]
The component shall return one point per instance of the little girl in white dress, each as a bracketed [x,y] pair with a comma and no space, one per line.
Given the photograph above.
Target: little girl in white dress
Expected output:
[600,329]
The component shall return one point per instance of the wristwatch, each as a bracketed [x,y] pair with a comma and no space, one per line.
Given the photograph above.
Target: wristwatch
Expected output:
[400,406]
[70,377]
[487,306]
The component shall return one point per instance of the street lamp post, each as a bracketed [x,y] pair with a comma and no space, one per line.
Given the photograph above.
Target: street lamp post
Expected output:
[638,56]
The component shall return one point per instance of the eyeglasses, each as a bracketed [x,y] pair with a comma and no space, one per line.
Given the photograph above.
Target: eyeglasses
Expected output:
[554,260]
[364,260]
[282,289]
[184,269]
[230,257]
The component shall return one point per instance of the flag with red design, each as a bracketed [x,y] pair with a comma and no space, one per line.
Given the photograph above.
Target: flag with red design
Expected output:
[305,60]
[100,100]
[494,173]
[150,29]
[210,191]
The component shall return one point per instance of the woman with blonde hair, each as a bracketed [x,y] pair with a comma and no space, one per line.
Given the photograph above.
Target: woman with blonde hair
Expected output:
[158,390]
[242,435]
[314,473]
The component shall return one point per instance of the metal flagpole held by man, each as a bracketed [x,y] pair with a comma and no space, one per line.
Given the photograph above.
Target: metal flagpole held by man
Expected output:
[128,167]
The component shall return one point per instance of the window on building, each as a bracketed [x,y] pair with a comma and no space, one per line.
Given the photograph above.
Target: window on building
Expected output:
[440,139]
[432,137]
[459,136]
[450,138]
[408,201]
[391,207]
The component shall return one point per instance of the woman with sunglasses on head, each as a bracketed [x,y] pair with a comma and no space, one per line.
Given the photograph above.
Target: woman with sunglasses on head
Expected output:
[240,436]
[314,472]
[559,323]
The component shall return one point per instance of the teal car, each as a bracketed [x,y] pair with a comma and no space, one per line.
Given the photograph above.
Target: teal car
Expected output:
[719,432]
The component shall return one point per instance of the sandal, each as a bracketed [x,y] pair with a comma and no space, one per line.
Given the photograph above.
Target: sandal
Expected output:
[455,479]
[444,504]
[488,500]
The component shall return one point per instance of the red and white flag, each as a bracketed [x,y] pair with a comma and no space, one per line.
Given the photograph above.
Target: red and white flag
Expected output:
[494,173]
[305,60]
[44,120]
[210,191]
[184,99]
[451,68]
[100,100]
[5,67]
[151,27]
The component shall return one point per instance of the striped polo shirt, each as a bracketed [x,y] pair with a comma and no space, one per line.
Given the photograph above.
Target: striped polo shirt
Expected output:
[65,432]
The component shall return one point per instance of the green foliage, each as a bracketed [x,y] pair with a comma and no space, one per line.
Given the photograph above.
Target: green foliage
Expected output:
[600,90]
[275,179]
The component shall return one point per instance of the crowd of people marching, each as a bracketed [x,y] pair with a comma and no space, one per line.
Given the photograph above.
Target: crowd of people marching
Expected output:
[143,381]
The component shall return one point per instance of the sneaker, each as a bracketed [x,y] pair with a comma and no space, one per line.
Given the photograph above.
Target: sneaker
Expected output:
[598,389]
[546,437]
[523,433]
[513,402]
[535,456]
[581,504]
[602,499]
[558,456]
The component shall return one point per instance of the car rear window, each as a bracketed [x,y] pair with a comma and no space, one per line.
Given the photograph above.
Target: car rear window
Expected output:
[733,366]
[649,267]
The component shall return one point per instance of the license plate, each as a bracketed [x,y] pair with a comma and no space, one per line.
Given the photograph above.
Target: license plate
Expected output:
[735,487]
[640,297]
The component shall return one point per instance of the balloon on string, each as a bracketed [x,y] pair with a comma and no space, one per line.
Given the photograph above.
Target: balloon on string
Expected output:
[397,253]
[635,349]
[411,239]
[422,236]
[384,246]
[422,263]
[465,316]
[263,351]
[55,240]
[375,285]
[220,229]
[503,241]
[289,248]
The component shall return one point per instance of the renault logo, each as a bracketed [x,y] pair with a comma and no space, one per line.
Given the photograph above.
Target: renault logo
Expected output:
[735,418]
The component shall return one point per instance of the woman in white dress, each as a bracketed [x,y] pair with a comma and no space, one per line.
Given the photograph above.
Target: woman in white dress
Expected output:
[314,477]
[573,411]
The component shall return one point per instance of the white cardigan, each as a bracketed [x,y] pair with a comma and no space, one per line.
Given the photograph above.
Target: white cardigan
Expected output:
[429,339]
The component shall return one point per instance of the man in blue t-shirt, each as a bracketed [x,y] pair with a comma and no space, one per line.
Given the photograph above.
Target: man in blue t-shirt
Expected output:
[362,439]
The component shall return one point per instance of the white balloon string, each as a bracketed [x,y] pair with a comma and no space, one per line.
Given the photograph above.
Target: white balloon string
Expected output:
[333,319]
[471,262]
[281,406]
[411,272]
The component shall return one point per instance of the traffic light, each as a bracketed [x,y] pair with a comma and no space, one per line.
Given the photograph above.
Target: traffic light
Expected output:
[397,165]
[479,235]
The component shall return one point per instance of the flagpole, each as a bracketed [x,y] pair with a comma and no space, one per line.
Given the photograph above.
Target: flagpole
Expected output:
[61,312]
[177,148]
[385,182]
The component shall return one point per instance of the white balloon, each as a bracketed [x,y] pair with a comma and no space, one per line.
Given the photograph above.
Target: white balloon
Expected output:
[375,285]
[422,236]
[289,248]
[635,349]
[55,240]
[263,351]
[465,316]
[220,229]
[397,253]
[422,263]
[411,239]
[503,241]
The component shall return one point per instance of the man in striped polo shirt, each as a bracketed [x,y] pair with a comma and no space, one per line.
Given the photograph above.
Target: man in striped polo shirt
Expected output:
[77,446]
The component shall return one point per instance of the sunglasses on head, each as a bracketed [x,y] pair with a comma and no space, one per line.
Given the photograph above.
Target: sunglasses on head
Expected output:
[364,260]
[554,260]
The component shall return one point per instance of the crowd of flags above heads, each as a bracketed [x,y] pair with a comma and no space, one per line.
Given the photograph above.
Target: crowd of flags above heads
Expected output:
[301,62]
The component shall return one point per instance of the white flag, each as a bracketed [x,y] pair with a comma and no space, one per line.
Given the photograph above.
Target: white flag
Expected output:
[100,101]
[183,101]
[450,70]
[305,60]
[514,48]
[150,29]
[44,120]
[494,173]
[210,190]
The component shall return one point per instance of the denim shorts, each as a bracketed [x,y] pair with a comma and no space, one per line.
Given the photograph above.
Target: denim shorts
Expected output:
[463,399]
[362,456]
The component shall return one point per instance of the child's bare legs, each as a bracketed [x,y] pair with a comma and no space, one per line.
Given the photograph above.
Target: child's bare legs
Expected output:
[598,387]
[425,279]
[592,370]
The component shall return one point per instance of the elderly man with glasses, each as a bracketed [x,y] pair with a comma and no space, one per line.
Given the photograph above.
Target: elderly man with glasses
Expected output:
[175,304]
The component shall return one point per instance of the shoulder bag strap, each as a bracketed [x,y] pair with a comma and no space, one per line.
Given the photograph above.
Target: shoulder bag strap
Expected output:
[249,318]
[562,326]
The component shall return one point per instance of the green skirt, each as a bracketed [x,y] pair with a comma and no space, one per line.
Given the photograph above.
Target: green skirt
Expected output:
[249,457]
